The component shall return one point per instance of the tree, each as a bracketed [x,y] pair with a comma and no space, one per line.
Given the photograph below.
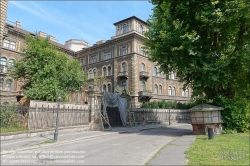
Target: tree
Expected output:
[45,71]
[208,44]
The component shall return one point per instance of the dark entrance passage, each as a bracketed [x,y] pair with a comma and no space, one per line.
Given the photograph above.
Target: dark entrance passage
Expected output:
[114,116]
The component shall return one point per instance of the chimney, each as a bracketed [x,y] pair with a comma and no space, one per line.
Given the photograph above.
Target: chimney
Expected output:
[18,24]
[42,34]
[52,38]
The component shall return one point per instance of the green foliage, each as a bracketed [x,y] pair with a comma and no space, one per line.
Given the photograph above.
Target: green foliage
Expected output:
[166,105]
[207,43]
[46,71]
[7,112]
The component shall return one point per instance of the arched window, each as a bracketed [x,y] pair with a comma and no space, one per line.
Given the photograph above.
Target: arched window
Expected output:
[124,28]
[1,83]
[172,75]
[170,91]
[160,89]
[156,89]
[8,85]
[143,85]
[159,72]
[187,92]
[173,91]
[104,88]
[11,64]
[3,61]
[142,67]
[155,71]
[94,72]
[124,85]
[104,71]
[109,71]
[90,74]
[140,29]
[182,92]
[124,66]
[109,87]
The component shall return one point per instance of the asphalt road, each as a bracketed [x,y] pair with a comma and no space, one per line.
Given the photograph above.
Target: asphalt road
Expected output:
[135,148]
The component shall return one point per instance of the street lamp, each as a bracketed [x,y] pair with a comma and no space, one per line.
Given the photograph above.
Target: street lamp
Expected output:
[58,106]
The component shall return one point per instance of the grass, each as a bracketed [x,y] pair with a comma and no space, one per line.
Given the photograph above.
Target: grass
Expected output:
[12,129]
[224,149]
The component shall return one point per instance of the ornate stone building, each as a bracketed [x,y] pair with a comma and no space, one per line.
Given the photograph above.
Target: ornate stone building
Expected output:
[123,61]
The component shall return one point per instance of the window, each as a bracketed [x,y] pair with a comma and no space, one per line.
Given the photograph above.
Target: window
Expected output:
[93,58]
[155,71]
[104,71]
[1,84]
[11,64]
[124,50]
[169,90]
[124,28]
[6,43]
[124,85]
[182,92]
[171,75]
[156,89]
[3,61]
[82,62]
[140,29]
[8,85]
[94,72]
[142,51]
[12,45]
[104,88]
[107,55]
[142,67]
[187,92]
[124,67]
[159,72]
[143,85]
[173,91]
[109,87]
[109,71]
[160,89]
[90,74]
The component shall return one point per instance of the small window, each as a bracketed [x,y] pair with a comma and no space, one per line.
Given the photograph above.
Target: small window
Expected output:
[143,85]
[90,74]
[3,61]
[173,91]
[107,55]
[170,91]
[187,92]
[140,29]
[95,73]
[82,62]
[124,67]
[8,85]
[104,71]
[160,89]
[124,85]
[104,88]
[93,58]
[182,92]
[155,71]
[109,87]
[156,89]
[6,44]
[109,71]
[142,67]
[124,50]
[159,72]
[12,45]
[142,51]
[11,64]
[124,28]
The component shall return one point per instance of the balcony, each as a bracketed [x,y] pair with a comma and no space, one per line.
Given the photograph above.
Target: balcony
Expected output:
[144,96]
[123,74]
[144,74]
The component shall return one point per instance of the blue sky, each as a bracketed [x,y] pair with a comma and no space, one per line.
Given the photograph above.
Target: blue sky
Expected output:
[88,20]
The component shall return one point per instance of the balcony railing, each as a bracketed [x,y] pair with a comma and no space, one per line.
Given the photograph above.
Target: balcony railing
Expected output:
[123,74]
[144,74]
[145,95]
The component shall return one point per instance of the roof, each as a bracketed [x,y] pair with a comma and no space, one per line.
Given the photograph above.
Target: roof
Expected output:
[22,31]
[129,19]
[205,107]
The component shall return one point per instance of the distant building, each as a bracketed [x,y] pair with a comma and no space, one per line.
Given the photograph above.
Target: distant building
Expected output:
[76,44]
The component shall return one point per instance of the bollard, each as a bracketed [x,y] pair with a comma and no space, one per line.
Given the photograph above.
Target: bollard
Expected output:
[210,132]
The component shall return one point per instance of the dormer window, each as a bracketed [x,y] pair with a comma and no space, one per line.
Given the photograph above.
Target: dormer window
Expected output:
[124,28]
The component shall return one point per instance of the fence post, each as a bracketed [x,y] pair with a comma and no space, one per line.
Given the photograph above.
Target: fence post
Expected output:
[169,117]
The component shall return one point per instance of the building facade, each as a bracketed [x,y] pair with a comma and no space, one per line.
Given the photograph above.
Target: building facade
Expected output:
[124,62]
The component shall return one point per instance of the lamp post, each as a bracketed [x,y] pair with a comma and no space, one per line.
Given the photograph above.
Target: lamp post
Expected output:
[58,106]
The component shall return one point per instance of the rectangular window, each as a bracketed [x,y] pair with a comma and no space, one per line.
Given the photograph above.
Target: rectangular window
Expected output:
[107,55]
[124,50]
[82,62]
[6,44]
[93,59]
[12,45]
